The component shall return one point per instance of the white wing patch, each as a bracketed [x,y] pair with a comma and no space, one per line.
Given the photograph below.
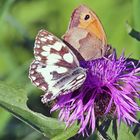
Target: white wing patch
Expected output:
[46,53]
[38,58]
[46,48]
[68,57]
[54,58]
[45,72]
[57,45]
[37,46]
[43,39]
[50,37]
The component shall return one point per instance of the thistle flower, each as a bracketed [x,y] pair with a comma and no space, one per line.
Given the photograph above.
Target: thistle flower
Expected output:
[110,89]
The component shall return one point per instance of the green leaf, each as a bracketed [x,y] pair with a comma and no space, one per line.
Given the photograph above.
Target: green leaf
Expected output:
[132,32]
[4,119]
[15,101]
[123,132]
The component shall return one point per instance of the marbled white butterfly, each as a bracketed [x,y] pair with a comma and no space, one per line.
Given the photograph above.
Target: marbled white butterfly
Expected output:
[56,69]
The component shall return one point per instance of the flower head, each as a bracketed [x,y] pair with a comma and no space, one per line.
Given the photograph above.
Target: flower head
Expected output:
[110,89]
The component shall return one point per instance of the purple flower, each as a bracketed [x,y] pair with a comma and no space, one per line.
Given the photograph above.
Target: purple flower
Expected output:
[110,89]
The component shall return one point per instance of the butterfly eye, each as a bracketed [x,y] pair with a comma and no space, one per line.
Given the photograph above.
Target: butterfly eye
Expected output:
[86,17]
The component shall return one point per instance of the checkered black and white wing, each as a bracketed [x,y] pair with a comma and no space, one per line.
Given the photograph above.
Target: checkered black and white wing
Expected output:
[55,69]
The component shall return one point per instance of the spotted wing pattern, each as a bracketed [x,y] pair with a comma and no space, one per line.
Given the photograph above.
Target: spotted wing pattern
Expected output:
[55,69]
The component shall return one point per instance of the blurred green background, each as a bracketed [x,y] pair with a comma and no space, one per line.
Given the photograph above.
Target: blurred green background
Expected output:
[20,20]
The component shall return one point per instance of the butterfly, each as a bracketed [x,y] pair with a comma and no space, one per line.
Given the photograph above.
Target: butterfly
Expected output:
[86,34]
[56,69]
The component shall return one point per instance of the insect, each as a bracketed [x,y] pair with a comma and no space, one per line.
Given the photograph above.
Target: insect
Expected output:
[86,34]
[56,69]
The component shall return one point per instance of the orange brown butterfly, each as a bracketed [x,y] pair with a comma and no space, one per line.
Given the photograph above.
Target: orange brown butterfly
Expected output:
[86,34]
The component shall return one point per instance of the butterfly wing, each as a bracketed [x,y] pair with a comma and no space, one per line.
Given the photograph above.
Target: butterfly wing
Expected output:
[86,31]
[55,69]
